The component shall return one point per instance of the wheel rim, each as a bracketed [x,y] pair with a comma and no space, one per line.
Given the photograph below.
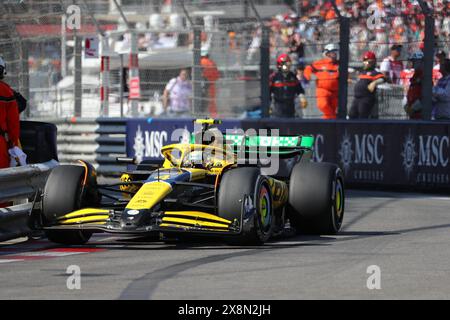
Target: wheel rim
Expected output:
[339,200]
[265,208]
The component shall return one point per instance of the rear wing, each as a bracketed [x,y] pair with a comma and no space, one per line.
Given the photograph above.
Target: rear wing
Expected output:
[287,145]
[284,146]
[282,142]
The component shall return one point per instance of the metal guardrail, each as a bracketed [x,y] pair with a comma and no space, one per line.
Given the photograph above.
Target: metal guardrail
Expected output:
[98,141]
[18,184]
[23,182]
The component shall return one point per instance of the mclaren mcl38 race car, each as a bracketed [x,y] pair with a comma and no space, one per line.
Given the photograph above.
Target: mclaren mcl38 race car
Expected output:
[199,189]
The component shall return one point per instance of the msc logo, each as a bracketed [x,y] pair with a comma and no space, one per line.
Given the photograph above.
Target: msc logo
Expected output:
[346,152]
[427,151]
[409,154]
[433,151]
[361,149]
[148,144]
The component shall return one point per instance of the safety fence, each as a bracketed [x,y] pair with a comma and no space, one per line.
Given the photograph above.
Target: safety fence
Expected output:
[116,58]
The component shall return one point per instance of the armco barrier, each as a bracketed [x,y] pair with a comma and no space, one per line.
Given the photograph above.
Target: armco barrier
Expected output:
[405,154]
[18,184]
[23,182]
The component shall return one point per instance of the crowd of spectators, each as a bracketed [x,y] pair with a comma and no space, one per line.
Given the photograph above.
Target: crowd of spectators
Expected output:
[375,26]
[393,30]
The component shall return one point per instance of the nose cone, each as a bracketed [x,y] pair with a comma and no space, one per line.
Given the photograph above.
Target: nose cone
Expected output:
[132,218]
[137,212]
[150,194]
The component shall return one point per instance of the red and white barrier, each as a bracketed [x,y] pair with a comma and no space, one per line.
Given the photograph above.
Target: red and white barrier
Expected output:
[104,89]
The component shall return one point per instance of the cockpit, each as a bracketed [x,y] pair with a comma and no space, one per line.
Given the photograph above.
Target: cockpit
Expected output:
[199,156]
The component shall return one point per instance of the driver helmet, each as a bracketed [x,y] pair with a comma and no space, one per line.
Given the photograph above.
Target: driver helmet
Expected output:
[195,157]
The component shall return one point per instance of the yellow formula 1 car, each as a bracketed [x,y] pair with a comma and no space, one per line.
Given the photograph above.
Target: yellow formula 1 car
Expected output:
[201,188]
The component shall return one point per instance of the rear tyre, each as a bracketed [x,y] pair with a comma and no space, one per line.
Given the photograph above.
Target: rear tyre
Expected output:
[245,193]
[63,194]
[316,198]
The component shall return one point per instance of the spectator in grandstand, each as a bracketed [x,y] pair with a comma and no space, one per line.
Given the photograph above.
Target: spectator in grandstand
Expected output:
[441,93]
[414,95]
[392,66]
[301,76]
[284,89]
[177,96]
[210,75]
[298,48]
[440,58]
[326,71]
[402,22]
[406,75]
[253,50]
[365,88]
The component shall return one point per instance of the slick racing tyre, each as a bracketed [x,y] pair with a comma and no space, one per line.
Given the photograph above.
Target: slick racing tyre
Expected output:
[316,198]
[245,195]
[63,194]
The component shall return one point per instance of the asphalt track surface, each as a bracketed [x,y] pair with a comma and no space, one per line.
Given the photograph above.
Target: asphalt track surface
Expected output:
[407,235]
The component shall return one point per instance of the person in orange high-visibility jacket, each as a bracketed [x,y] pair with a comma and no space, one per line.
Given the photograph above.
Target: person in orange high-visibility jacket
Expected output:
[210,75]
[9,119]
[326,71]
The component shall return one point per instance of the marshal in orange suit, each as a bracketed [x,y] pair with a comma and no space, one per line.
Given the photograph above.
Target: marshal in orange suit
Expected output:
[211,74]
[326,71]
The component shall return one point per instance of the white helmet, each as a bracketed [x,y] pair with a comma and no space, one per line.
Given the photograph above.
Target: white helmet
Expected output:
[195,157]
[330,47]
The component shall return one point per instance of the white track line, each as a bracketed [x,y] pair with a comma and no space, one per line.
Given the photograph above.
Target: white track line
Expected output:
[10,260]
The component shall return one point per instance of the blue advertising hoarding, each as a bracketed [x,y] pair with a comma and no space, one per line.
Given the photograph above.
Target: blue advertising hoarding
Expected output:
[411,154]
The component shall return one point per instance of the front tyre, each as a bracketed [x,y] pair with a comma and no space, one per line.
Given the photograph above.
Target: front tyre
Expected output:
[63,194]
[316,198]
